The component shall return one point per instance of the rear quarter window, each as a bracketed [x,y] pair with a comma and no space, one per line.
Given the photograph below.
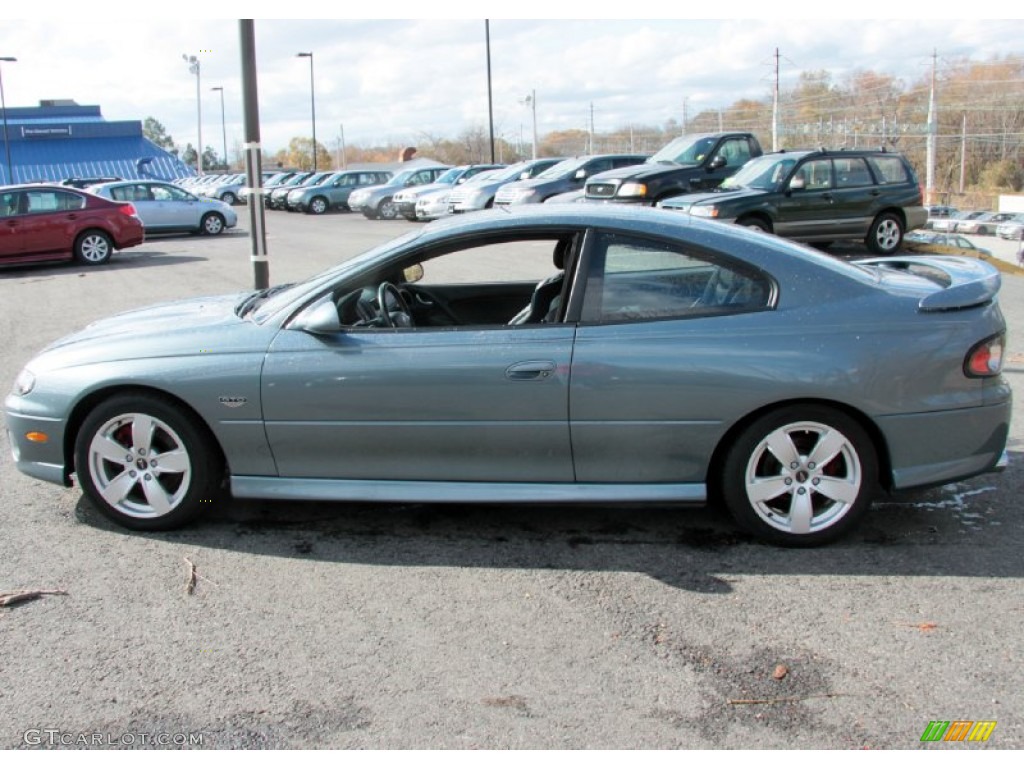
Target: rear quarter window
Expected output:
[889,170]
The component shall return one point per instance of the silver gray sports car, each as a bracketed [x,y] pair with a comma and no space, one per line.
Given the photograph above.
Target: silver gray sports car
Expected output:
[565,354]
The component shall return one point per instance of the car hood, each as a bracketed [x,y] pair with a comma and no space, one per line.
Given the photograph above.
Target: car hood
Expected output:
[189,326]
[640,171]
[714,196]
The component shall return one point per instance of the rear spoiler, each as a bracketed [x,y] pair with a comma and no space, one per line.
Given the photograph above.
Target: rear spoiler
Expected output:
[969,282]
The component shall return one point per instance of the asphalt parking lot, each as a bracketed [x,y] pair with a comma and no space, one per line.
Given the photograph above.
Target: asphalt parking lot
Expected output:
[417,626]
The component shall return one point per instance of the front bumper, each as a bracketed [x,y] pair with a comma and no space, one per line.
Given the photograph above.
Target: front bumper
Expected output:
[41,460]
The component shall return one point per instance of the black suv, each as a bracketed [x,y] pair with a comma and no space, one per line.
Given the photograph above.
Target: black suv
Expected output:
[819,196]
[687,164]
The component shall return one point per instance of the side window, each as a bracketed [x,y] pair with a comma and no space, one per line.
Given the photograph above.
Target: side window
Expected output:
[735,151]
[636,279]
[46,201]
[852,172]
[161,194]
[121,194]
[888,170]
[816,174]
[9,204]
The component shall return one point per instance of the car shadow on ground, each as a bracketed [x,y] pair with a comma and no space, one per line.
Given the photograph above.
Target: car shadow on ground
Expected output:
[118,261]
[961,529]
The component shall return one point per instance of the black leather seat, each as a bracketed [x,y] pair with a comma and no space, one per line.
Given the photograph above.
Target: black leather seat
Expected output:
[544,304]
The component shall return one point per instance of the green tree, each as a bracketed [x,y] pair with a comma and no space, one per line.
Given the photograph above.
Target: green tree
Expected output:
[154,130]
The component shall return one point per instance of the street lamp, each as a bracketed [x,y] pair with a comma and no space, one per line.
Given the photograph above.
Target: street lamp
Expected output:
[531,101]
[193,67]
[223,125]
[312,99]
[3,105]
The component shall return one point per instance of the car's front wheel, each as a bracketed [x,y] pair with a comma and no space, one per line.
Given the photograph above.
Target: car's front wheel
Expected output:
[885,235]
[755,222]
[93,247]
[212,224]
[318,205]
[800,476]
[145,463]
[387,209]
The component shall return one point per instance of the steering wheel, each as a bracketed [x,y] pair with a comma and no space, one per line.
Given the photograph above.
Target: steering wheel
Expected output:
[404,320]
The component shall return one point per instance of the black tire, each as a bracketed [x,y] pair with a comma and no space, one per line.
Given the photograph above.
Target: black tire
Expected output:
[212,224]
[318,205]
[800,499]
[93,247]
[387,210]
[167,473]
[370,213]
[755,222]
[886,234]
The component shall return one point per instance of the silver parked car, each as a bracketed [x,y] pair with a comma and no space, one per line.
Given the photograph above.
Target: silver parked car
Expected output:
[478,193]
[165,207]
[569,353]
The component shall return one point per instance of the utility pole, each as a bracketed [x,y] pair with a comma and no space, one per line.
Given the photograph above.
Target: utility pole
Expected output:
[490,100]
[344,159]
[930,146]
[591,134]
[963,153]
[775,106]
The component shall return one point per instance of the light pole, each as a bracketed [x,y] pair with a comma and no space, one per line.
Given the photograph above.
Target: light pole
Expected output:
[223,125]
[531,100]
[312,99]
[193,67]
[3,105]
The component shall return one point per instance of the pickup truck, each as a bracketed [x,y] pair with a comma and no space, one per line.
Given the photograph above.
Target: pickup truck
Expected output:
[687,164]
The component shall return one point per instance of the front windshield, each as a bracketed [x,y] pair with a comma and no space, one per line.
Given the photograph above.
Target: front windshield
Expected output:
[765,172]
[686,150]
[450,176]
[563,168]
[280,297]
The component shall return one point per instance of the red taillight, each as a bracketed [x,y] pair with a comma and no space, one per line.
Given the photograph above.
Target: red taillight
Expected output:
[985,358]
[128,209]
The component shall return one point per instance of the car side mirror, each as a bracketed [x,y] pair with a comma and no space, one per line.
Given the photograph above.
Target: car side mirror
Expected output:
[798,182]
[319,318]
[580,174]
[524,175]
[413,274]
[717,162]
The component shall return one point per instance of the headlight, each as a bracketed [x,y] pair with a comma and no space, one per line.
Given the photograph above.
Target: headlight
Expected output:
[632,189]
[706,211]
[25,382]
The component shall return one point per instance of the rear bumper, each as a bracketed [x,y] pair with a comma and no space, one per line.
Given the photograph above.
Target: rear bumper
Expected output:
[941,447]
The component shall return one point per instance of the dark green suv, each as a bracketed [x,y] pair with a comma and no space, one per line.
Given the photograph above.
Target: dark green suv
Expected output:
[818,196]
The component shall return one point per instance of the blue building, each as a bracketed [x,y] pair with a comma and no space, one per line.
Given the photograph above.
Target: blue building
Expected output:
[56,141]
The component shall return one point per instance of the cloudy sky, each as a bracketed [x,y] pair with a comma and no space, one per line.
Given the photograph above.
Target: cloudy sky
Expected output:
[401,79]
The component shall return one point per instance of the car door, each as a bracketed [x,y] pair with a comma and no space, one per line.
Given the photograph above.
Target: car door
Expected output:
[178,209]
[808,208]
[12,236]
[456,401]
[654,376]
[154,216]
[51,221]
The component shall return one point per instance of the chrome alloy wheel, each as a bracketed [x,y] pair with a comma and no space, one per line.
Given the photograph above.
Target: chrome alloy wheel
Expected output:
[139,465]
[803,477]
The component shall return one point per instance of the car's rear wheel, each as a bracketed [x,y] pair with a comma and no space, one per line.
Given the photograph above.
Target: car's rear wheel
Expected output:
[145,463]
[885,235]
[755,222]
[212,224]
[93,247]
[800,476]
[229,198]
[386,209]
[318,205]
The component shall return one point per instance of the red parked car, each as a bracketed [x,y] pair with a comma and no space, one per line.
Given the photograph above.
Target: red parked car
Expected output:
[41,222]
